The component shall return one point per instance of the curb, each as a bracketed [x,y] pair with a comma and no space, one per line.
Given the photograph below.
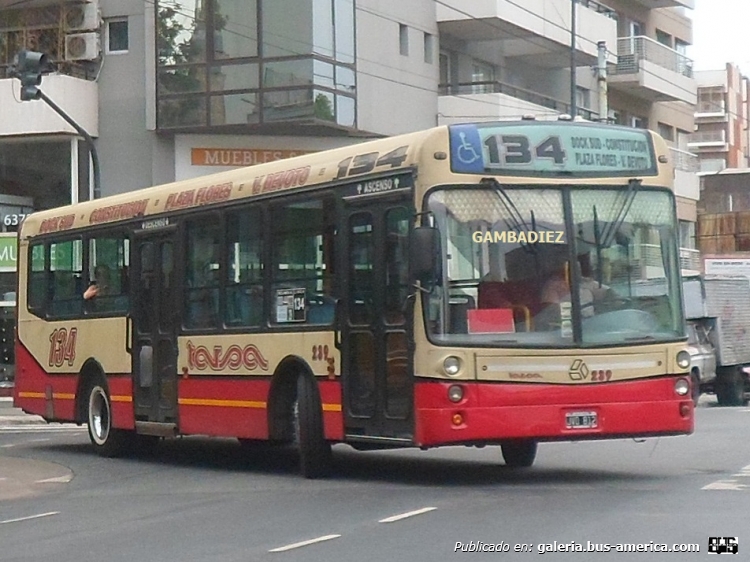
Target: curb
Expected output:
[22,419]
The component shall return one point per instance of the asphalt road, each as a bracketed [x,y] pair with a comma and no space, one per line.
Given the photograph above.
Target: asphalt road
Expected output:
[209,500]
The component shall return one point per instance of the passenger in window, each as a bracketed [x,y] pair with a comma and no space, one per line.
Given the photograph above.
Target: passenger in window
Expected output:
[557,288]
[101,284]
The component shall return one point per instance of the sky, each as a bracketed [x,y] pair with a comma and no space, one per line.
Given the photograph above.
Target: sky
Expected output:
[721,34]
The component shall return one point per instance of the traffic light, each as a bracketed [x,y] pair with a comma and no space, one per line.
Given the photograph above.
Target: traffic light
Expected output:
[29,68]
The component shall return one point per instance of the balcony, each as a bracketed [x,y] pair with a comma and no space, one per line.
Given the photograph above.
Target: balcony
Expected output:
[686,168]
[487,101]
[654,4]
[651,71]
[711,112]
[77,97]
[713,141]
[535,32]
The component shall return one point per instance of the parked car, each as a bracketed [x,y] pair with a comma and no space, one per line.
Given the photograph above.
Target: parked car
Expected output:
[702,359]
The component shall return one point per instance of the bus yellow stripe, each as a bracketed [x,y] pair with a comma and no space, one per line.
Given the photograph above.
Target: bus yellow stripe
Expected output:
[331,407]
[63,396]
[31,395]
[121,398]
[222,403]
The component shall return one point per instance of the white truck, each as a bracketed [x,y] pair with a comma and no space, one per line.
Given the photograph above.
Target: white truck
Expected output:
[718,307]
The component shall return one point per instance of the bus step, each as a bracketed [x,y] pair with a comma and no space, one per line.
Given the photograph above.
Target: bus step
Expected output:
[156,428]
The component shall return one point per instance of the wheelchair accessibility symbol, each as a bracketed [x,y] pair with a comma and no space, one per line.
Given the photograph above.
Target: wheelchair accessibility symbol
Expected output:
[466,151]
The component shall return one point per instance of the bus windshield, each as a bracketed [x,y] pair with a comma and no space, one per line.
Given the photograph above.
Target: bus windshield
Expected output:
[563,267]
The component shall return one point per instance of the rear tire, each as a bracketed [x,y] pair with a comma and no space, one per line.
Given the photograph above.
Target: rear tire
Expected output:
[107,441]
[314,451]
[730,387]
[519,453]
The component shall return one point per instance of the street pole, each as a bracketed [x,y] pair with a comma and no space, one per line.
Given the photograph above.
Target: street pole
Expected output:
[81,131]
[601,78]
[573,108]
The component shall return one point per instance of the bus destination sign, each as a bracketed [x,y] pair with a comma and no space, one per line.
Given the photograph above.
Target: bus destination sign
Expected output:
[576,149]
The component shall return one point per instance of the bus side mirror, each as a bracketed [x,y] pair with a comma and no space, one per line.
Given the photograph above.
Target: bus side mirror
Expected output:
[424,254]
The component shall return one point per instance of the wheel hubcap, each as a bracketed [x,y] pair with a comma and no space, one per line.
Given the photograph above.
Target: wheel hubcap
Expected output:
[99,415]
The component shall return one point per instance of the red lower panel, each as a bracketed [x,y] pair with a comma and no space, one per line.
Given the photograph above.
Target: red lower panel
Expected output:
[239,408]
[490,412]
[231,408]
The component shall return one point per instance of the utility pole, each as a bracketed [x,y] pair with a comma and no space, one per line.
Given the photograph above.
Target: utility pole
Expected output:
[29,68]
[573,108]
[601,80]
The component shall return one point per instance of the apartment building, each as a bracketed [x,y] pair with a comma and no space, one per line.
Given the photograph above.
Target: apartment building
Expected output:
[721,119]
[174,89]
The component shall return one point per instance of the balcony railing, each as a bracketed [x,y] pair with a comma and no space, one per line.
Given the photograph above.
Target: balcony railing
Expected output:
[685,161]
[632,50]
[708,136]
[495,87]
[598,8]
[650,255]
[716,107]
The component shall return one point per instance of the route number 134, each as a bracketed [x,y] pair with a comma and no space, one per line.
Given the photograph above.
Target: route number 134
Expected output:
[516,149]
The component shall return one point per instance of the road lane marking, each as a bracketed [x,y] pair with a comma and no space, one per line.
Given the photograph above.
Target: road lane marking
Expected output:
[57,479]
[7,446]
[727,484]
[304,543]
[30,517]
[408,514]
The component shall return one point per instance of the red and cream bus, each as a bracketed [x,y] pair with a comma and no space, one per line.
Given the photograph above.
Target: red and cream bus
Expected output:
[413,291]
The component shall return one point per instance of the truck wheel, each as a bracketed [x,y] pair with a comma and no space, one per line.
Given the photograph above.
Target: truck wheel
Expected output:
[519,453]
[730,387]
[695,384]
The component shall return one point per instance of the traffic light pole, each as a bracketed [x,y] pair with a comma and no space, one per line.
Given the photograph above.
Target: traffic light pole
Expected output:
[81,131]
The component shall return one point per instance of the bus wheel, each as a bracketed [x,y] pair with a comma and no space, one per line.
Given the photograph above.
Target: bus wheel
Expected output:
[314,451]
[730,387]
[519,453]
[107,441]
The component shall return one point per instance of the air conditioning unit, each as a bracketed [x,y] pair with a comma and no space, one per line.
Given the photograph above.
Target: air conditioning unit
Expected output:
[82,46]
[82,16]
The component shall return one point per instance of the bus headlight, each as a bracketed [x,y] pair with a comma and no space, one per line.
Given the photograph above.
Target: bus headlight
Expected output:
[683,359]
[455,393]
[452,365]
[681,387]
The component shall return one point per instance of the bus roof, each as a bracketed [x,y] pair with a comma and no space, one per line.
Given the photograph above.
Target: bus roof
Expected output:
[295,173]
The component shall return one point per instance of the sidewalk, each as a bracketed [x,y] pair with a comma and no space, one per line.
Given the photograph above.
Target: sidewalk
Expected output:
[15,416]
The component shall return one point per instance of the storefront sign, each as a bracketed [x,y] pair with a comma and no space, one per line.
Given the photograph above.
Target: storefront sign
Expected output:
[239,156]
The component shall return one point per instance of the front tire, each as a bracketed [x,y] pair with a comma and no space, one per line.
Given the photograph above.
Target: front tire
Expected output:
[314,451]
[730,387]
[107,441]
[519,453]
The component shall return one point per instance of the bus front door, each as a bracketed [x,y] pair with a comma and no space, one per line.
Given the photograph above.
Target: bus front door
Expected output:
[377,363]
[154,334]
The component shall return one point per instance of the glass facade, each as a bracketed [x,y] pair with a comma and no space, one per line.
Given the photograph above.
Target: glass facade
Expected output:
[246,62]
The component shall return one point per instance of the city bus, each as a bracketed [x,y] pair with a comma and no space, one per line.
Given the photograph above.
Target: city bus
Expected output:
[471,284]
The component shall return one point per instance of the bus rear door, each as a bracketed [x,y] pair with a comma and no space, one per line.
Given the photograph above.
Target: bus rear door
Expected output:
[154,332]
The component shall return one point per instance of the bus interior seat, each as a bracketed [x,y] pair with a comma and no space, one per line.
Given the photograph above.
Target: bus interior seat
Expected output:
[321,309]
[522,296]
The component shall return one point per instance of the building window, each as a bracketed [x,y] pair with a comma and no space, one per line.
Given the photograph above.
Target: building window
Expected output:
[429,47]
[482,76]
[403,39]
[687,234]
[214,72]
[664,38]
[117,36]
[583,97]
[666,131]
[711,100]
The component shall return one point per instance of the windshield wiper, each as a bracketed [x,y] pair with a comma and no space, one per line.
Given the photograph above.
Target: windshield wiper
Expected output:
[515,218]
[633,187]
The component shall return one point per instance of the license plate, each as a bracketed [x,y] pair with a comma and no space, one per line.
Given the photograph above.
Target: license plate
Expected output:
[581,420]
